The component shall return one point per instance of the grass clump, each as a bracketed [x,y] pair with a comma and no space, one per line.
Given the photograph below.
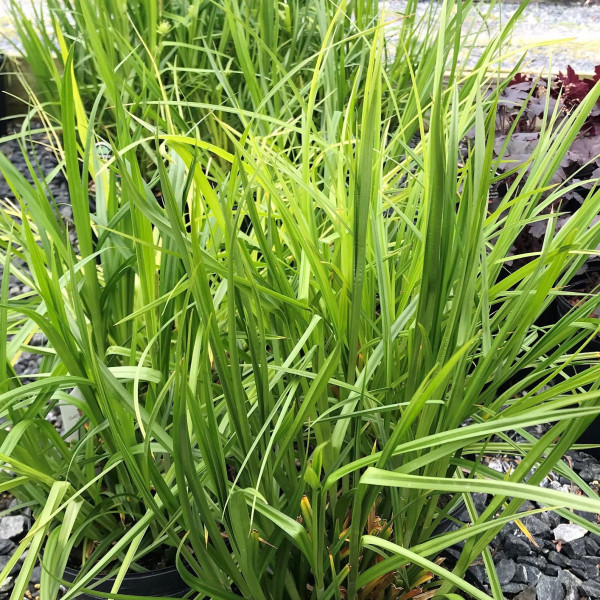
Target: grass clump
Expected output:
[287,319]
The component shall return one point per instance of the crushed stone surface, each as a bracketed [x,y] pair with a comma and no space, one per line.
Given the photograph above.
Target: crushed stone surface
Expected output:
[551,35]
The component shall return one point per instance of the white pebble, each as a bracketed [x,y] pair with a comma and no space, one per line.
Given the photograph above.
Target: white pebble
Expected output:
[567,532]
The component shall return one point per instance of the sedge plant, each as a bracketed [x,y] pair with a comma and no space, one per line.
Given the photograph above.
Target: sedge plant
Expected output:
[229,60]
[292,344]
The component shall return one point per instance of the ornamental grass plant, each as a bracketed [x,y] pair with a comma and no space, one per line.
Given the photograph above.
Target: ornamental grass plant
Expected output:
[286,314]
[213,63]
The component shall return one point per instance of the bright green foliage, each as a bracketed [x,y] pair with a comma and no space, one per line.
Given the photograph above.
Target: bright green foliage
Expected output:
[231,61]
[280,313]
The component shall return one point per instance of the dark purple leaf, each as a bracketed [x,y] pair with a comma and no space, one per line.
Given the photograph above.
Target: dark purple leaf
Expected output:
[520,78]
[574,89]
[537,106]
[538,229]
[515,96]
[574,195]
[582,151]
[593,125]
[519,144]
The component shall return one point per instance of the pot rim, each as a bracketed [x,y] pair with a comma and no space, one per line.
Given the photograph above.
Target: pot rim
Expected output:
[166,582]
[574,282]
[129,576]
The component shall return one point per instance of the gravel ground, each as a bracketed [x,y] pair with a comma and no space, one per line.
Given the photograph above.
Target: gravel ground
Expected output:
[15,524]
[541,22]
[559,560]
[8,34]
[29,361]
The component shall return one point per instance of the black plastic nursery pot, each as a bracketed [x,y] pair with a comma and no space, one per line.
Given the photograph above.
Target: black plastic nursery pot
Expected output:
[561,307]
[165,583]
[555,311]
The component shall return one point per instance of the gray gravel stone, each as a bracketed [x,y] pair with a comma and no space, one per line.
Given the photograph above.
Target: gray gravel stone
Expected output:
[549,588]
[4,561]
[527,574]
[588,516]
[12,527]
[536,526]
[552,570]
[7,547]
[581,573]
[505,570]
[7,585]
[572,594]
[36,575]
[591,473]
[479,574]
[550,518]
[513,588]
[574,549]
[590,588]
[583,570]
[557,559]
[527,505]
[567,532]
[539,562]
[588,573]
[568,579]
[591,546]
[480,501]
[527,594]
[545,545]
[515,546]
[453,552]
